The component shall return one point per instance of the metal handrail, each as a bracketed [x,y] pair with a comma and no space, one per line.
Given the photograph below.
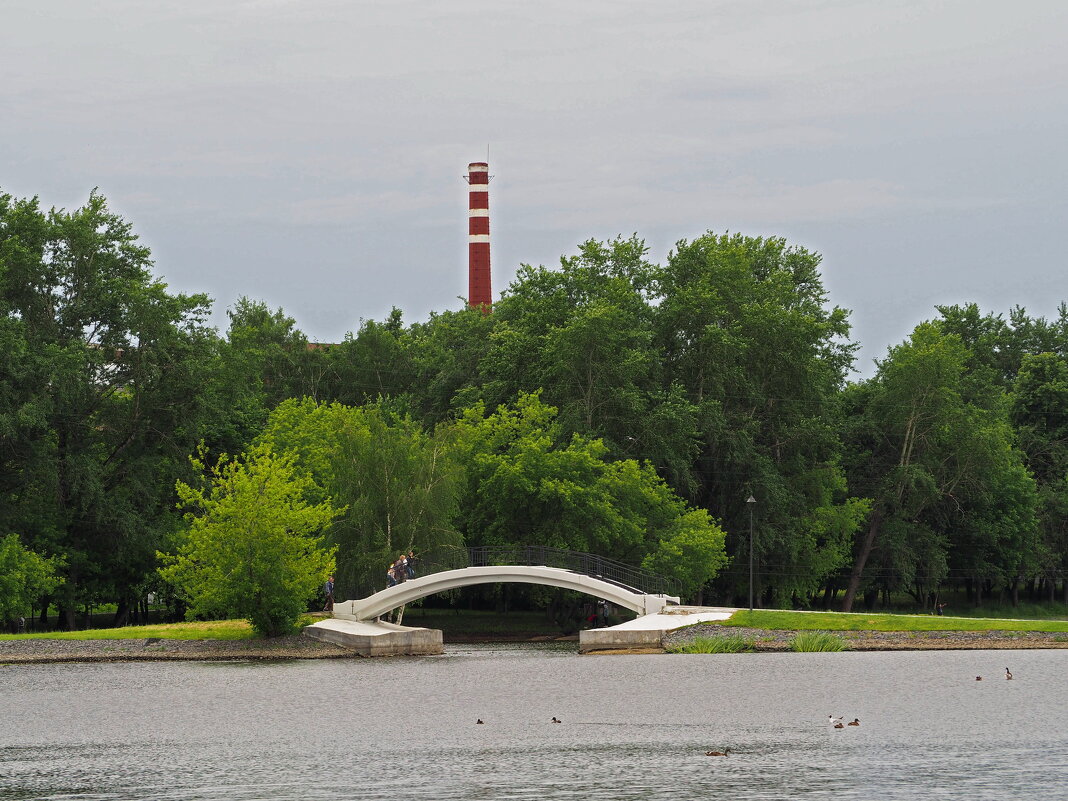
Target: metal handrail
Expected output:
[437,560]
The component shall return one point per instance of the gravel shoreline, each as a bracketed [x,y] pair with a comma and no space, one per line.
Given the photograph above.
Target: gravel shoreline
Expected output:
[154,649]
[774,640]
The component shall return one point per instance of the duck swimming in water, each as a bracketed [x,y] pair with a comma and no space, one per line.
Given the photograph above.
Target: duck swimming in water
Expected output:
[479,720]
[724,752]
[831,719]
[1008,674]
[555,720]
[854,722]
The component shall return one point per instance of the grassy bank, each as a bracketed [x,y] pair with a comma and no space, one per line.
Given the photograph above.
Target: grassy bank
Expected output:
[776,619]
[455,625]
[198,630]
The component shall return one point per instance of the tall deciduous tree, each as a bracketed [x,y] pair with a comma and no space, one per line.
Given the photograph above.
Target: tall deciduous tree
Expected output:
[745,327]
[932,447]
[108,401]
[1040,414]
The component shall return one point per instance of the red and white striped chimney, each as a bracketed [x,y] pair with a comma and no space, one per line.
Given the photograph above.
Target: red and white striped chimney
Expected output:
[479,291]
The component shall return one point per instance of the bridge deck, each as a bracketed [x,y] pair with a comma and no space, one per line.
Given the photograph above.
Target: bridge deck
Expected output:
[413,589]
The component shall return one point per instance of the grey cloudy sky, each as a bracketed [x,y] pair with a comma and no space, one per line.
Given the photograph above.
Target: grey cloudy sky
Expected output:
[310,154]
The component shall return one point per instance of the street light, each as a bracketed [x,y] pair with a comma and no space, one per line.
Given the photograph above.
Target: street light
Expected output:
[750,502]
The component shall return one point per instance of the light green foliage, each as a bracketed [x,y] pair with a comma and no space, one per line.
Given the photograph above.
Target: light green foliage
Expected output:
[525,486]
[692,553]
[253,548]
[817,641]
[24,577]
[398,482]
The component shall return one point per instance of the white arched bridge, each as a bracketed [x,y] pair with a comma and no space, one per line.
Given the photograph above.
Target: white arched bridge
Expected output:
[630,587]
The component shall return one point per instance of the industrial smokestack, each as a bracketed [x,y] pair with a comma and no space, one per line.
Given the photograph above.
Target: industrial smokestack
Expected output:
[479,291]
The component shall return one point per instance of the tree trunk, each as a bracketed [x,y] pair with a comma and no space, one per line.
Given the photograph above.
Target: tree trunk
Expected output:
[1015,588]
[122,613]
[828,594]
[862,559]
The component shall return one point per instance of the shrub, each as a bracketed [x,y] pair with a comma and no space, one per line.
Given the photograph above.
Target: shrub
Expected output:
[713,645]
[817,641]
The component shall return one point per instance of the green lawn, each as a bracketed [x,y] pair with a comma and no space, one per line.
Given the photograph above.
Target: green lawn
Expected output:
[860,621]
[206,630]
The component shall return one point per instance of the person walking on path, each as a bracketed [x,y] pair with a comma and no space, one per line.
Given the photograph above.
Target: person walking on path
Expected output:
[328,588]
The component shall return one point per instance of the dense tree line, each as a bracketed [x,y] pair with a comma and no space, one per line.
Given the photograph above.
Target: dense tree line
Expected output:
[609,404]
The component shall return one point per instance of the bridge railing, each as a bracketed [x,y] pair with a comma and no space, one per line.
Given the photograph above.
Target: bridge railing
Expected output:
[437,560]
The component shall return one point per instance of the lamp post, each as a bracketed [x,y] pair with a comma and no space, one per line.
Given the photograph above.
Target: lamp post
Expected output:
[750,502]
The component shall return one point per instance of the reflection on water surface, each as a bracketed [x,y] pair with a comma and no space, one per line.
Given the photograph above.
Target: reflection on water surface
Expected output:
[634,727]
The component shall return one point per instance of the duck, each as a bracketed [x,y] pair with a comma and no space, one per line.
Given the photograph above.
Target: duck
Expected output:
[479,721]
[1008,674]
[556,720]
[724,752]
[854,722]
[839,725]
[831,719]
[978,678]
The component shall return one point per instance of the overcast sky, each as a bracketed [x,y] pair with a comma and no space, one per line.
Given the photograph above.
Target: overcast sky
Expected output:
[310,154]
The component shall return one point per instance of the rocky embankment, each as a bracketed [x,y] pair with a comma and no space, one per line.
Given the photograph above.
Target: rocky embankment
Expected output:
[156,649]
[770,640]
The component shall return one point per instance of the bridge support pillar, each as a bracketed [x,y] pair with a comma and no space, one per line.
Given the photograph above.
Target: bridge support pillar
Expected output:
[373,638]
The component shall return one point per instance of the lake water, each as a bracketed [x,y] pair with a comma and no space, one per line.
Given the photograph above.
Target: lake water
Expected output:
[634,727]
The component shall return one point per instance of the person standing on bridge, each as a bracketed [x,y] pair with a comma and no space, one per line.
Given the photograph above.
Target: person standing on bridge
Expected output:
[400,568]
[328,588]
[411,563]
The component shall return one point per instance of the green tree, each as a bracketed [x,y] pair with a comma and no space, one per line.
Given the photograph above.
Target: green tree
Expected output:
[254,546]
[106,396]
[931,445]
[1040,414]
[375,363]
[24,577]
[529,484]
[583,336]
[448,353]
[398,482]
[692,553]
[745,329]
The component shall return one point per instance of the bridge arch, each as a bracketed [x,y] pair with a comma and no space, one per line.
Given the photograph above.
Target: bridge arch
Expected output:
[413,589]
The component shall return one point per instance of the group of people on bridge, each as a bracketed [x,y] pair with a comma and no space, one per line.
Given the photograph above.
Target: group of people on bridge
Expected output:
[401,570]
